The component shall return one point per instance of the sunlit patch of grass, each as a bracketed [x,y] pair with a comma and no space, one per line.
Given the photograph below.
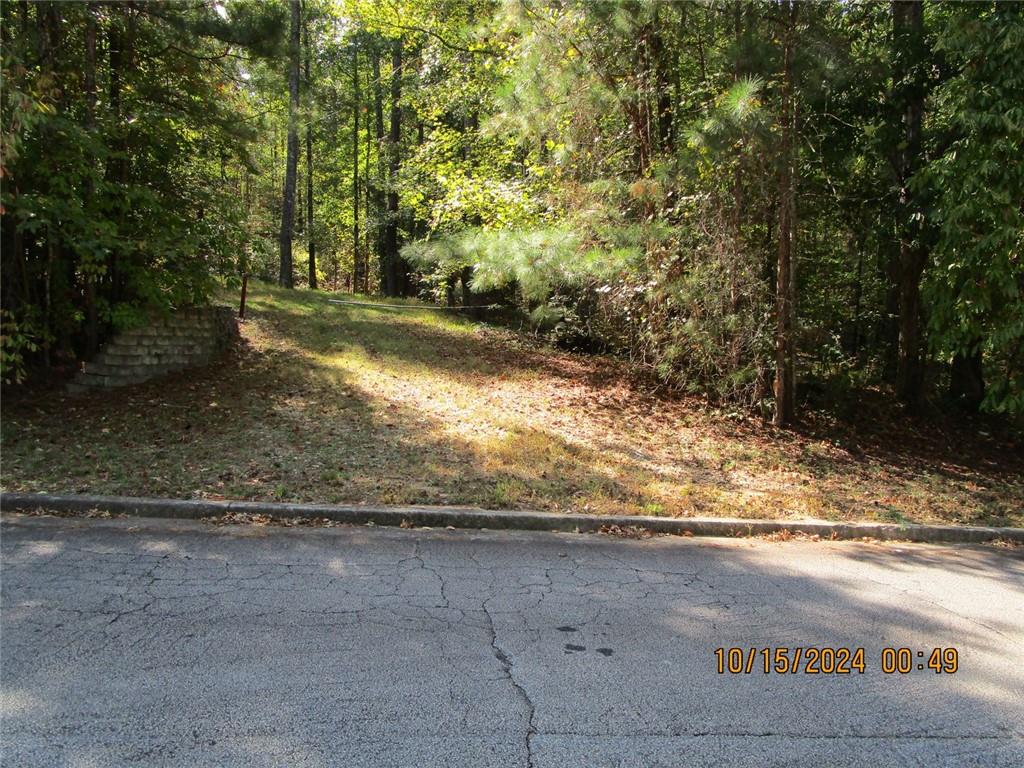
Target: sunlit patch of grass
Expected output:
[342,403]
[508,491]
[528,453]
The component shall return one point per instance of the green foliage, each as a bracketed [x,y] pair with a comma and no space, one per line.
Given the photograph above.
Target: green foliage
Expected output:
[614,168]
[537,260]
[123,137]
[976,285]
[16,339]
[738,112]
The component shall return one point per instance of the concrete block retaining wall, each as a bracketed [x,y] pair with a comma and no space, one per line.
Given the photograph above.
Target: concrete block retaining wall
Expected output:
[188,338]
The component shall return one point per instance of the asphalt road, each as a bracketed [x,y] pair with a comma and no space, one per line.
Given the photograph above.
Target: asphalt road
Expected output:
[183,644]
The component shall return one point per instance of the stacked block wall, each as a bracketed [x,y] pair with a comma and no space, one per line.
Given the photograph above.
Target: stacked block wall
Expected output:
[185,339]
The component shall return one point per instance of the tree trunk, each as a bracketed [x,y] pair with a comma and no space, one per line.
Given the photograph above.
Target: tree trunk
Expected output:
[375,193]
[371,241]
[121,57]
[286,279]
[908,38]
[115,48]
[967,380]
[738,202]
[449,290]
[49,24]
[378,96]
[310,239]
[356,271]
[785,278]
[91,314]
[662,69]
[858,292]
[394,270]
[639,116]
[887,330]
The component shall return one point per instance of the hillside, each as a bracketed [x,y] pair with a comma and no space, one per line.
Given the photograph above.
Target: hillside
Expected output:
[337,403]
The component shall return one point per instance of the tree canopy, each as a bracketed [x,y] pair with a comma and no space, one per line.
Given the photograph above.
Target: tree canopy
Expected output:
[762,202]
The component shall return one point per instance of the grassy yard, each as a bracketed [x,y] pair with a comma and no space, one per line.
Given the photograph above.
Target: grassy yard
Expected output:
[338,403]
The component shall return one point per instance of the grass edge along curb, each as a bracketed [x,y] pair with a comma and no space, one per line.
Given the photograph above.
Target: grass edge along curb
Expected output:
[472,517]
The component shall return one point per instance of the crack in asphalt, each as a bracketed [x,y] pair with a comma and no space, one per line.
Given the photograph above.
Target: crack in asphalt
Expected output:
[507,665]
[82,605]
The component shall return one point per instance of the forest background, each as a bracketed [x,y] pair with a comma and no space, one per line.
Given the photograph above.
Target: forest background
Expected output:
[774,205]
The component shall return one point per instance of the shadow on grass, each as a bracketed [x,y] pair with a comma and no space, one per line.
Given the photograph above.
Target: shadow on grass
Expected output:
[279,419]
[277,424]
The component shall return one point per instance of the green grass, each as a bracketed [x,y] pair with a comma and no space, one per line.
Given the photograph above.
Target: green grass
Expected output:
[334,403]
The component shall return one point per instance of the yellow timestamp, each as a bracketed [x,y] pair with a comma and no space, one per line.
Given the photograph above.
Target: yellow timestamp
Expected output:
[833,661]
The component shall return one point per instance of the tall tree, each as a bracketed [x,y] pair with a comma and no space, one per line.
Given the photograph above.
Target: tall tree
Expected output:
[310,237]
[395,276]
[286,277]
[375,189]
[785,277]
[909,99]
[358,264]
[91,270]
[371,242]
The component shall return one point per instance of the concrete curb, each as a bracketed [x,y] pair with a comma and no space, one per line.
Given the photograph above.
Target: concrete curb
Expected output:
[472,517]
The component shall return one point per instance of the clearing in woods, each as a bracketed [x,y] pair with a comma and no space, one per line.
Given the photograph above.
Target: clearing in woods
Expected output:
[339,403]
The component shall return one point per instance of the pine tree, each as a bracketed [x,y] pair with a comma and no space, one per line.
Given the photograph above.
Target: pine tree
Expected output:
[286,278]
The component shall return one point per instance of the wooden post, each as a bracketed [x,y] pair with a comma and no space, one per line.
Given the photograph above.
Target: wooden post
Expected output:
[241,306]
